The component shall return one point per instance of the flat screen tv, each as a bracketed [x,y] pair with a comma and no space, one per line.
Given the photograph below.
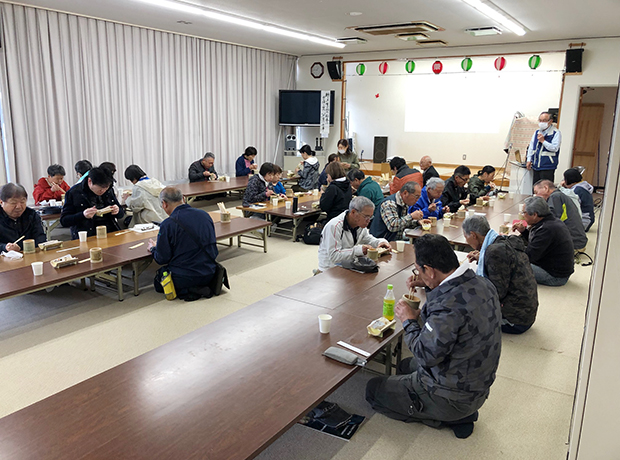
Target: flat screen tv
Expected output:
[303,108]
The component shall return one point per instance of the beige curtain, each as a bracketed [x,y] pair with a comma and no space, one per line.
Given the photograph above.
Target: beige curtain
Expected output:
[78,88]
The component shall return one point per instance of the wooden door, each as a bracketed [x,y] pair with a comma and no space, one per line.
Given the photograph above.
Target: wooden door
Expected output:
[587,137]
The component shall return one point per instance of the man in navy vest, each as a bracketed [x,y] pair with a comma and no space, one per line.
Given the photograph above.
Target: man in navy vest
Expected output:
[544,149]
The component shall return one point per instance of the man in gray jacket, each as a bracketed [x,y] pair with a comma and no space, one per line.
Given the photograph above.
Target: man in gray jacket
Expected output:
[202,170]
[456,345]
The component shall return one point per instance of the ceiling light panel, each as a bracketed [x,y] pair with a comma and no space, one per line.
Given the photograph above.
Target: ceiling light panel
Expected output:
[496,15]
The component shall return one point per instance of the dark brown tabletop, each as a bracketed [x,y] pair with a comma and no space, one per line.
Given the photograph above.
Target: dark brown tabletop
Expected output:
[209,187]
[224,391]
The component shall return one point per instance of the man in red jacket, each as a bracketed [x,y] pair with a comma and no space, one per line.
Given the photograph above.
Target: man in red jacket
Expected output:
[52,187]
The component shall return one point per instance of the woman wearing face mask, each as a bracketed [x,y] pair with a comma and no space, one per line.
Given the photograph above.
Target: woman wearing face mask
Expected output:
[347,157]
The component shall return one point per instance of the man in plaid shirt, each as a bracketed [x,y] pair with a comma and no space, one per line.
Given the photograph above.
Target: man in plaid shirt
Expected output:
[391,217]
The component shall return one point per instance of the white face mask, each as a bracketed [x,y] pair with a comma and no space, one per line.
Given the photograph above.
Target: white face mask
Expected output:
[342,151]
[543,125]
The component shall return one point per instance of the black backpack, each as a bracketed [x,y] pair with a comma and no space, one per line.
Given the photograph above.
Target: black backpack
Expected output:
[312,234]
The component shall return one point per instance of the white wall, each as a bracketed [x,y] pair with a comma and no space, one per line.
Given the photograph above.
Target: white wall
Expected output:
[601,67]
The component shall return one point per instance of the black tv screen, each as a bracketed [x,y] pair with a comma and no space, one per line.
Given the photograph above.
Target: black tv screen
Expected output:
[303,108]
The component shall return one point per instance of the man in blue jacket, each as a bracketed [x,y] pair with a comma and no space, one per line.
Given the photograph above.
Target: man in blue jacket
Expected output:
[544,149]
[186,246]
[430,203]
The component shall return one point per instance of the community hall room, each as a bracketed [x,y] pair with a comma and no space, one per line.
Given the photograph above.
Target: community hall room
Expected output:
[292,230]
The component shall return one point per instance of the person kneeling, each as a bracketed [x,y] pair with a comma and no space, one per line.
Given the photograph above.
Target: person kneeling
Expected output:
[186,247]
[455,351]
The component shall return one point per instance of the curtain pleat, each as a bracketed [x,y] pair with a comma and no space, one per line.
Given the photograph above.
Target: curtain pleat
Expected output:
[78,88]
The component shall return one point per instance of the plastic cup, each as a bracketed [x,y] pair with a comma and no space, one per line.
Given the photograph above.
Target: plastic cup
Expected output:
[507,217]
[37,268]
[325,323]
[426,226]
[83,236]
[287,205]
[400,246]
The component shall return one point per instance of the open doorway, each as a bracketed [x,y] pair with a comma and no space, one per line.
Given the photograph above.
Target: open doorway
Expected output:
[593,133]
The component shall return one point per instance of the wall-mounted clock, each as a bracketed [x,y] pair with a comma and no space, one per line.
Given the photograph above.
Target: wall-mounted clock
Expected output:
[317,70]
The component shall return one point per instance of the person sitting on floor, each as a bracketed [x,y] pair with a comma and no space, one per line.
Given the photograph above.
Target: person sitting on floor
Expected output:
[143,201]
[549,243]
[564,208]
[202,170]
[337,196]
[83,201]
[258,190]
[52,187]
[428,170]
[503,261]
[275,184]
[245,163]
[363,185]
[308,171]
[430,202]
[346,236]
[17,220]
[574,181]
[81,169]
[402,174]
[482,183]
[454,193]
[392,217]
[347,157]
[456,350]
[185,247]
[323,176]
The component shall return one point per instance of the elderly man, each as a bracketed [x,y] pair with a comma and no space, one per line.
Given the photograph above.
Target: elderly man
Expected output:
[392,217]
[202,170]
[455,194]
[544,149]
[428,170]
[85,199]
[550,246]
[346,236]
[455,351]
[17,220]
[503,261]
[564,208]
[186,247]
[429,202]
[365,186]
[402,174]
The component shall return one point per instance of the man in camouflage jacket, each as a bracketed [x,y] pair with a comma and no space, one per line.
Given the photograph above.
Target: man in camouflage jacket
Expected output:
[455,350]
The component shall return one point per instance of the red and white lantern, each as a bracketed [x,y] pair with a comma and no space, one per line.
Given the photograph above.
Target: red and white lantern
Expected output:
[500,63]
[383,67]
[437,67]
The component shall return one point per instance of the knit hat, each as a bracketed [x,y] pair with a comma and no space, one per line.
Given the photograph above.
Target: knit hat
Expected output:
[572,176]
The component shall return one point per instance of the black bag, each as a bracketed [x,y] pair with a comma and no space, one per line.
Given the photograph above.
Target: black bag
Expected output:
[330,414]
[361,264]
[220,277]
[312,234]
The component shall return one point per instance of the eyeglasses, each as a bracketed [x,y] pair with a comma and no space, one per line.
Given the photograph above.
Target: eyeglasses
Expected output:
[367,218]
[415,271]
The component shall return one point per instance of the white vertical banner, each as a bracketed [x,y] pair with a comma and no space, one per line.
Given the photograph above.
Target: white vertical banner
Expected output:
[325,108]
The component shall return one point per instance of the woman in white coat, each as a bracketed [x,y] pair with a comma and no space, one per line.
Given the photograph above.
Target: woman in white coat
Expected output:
[144,198]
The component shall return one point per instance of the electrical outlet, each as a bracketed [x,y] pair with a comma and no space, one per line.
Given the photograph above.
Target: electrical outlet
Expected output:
[464,156]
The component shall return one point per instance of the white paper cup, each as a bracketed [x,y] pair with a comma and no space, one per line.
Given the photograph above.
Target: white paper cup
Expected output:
[37,268]
[492,202]
[400,245]
[227,178]
[288,204]
[470,213]
[511,195]
[325,323]
[83,236]
[522,207]
[53,203]
[507,217]
[315,192]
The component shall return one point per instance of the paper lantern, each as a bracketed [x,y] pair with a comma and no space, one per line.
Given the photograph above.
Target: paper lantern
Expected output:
[410,66]
[437,67]
[466,64]
[500,63]
[534,61]
[360,69]
[383,67]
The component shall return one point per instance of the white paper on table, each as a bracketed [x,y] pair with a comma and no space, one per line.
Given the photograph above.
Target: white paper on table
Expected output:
[13,255]
[143,228]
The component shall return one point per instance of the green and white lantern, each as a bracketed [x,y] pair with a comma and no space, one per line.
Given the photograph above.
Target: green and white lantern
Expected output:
[410,66]
[466,64]
[360,69]
[534,62]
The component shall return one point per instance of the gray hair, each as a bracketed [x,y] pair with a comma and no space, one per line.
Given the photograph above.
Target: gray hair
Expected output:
[359,203]
[171,195]
[434,182]
[12,190]
[537,205]
[545,183]
[208,155]
[476,224]
[409,187]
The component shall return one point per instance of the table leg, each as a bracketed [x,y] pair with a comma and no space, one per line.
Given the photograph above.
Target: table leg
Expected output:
[119,283]
[238,241]
[388,359]
[265,242]
[91,279]
[83,284]
[136,285]
[230,242]
[295,227]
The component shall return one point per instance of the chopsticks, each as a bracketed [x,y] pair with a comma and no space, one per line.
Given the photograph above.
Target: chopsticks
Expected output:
[136,245]
[20,238]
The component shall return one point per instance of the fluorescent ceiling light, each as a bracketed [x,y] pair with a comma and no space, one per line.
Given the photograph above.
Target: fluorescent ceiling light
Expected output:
[496,16]
[198,11]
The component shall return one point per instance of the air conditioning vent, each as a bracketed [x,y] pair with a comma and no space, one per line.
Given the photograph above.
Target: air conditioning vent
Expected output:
[352,40]
[412,37]
[432,43]
[399,28]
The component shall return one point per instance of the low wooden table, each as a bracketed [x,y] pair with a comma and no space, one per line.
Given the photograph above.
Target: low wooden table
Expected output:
[193,190]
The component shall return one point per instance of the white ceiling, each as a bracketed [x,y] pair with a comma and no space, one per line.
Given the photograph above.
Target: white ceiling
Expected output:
[544,19]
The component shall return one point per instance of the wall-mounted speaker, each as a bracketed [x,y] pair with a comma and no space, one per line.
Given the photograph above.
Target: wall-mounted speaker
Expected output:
[291,142]
[379,153]
[335,69]
[573,60]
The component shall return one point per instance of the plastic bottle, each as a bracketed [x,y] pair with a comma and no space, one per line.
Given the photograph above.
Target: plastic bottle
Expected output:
[388,303]
[168,285]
